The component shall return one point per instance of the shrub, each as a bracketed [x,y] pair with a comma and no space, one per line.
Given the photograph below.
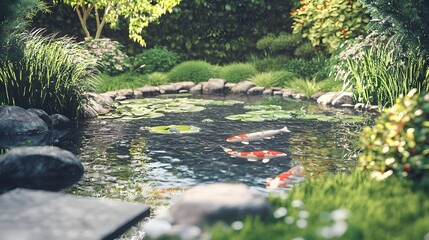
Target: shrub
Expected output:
[155,60]
[236,72]
[266,79]
[330,84]
[305,50]
[271,63]
[306,86]
[399,142]
[157,78]
[108,54]
[195,71]
[50,75]
[327,23]
[382,74]
[314,68]
[284,43]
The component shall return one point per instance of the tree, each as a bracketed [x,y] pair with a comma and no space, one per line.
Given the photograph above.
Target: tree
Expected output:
[139,13]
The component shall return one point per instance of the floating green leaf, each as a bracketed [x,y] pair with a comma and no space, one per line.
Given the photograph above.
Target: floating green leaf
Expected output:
[174,129]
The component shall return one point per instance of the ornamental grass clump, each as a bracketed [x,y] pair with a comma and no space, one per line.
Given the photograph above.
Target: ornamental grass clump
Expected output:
[195,71]
[236,72]
[398,144]
[49,74]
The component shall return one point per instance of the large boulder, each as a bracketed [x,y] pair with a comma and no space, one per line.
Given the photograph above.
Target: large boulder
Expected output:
[47,167]
[343,98]
[206,204]
[242,87]
[43,115]
[327,98]
[214,85]
[16,120]
[60,121]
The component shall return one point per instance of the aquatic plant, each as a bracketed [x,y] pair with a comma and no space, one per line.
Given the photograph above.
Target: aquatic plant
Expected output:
[398,143]
[49,75]
[174,129]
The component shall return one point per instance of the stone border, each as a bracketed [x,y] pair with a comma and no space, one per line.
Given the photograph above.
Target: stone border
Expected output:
[101,103]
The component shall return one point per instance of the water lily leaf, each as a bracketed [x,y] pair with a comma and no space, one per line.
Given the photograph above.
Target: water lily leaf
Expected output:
[174,129]
[263,107]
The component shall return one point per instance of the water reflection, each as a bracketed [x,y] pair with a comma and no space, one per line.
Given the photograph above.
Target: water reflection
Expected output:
[123,160]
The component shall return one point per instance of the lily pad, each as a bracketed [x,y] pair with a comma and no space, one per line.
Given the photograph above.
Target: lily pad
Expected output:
[174,129]
[262,107]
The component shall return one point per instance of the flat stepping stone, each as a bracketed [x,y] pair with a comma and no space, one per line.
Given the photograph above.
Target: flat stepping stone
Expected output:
[40,215]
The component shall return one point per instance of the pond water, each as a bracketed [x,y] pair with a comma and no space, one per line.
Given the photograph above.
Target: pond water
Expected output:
[124,160]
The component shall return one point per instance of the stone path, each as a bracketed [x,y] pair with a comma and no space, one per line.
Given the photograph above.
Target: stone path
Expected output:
[40,215]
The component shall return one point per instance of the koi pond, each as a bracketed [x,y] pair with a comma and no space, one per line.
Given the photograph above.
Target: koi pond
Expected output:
[150,150]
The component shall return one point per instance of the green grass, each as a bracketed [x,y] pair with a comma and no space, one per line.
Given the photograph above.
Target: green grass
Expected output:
[389,209]
[306,86]
[236,72]
[122,81]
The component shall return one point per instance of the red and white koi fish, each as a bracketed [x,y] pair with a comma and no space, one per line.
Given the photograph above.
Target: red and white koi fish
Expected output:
[284,179]
[248,137]
[264,155]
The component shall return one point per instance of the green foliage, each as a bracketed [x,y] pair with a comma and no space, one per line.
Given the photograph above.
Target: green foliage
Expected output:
[314,68]
[219,31]
[330,84]
[195,71]
[236,72]
[108,55]
[157,78]
[272,79]
[305,50]
[271,63]
[50,75]
[306,86]
[327,23]
[15,15]
[127,80]
[158,59]
[340,206]
[381,74]
[407,18]
[284,43]
[139,13]
[399,142]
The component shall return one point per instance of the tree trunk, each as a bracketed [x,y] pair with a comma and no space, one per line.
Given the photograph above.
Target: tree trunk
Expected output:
[83,16]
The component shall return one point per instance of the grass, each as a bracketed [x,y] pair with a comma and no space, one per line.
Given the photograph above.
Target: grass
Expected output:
[306,86]
[236,72]
[368,209]
[122,81]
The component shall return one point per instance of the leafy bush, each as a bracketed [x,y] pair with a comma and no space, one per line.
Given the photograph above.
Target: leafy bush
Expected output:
[327,23]
[157,78]
[314,68]
[236,72]
[284,43]
[108,55]
[195,71]
[305,50]
[399,142]
[383,74]
[155,60]
[50,75]
[271,63]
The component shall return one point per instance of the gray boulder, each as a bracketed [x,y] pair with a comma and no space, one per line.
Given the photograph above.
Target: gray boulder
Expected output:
[148,90]
[167,88]
[184,85]
[47,167]
[242,87]
[43,115]
[343,98]
[60,121]
[327,98]
[198,88]
[256,91]
[214,85]
[16,120]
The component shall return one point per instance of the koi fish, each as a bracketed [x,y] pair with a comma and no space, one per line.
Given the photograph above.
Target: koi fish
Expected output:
[283,179]
[248,137]
[264,155]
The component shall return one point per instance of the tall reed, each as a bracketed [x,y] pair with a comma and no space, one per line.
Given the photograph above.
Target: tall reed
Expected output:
[50,75]
[382,74]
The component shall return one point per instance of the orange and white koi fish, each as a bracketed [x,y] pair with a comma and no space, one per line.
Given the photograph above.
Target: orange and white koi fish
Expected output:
[264,155]
[248,137]
[284,179]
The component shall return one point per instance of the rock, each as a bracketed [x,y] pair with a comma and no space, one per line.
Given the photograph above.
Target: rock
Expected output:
[110,94]
[278,92]
[359,106]
[316,95]
[183,91]
[43,115]
[16,120]
[120,98]
[205,204]
[148,90]
[327,98]
[288,93]
[256,91]
[268,91]
[45,167]
[214,85]
[242,87]
[183,85]
[167,89]
[298,96]
[137,93]
[60,121]
[127,93]
[347,105]
[197,88]
[89,112]
[229,86]
[343,98]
